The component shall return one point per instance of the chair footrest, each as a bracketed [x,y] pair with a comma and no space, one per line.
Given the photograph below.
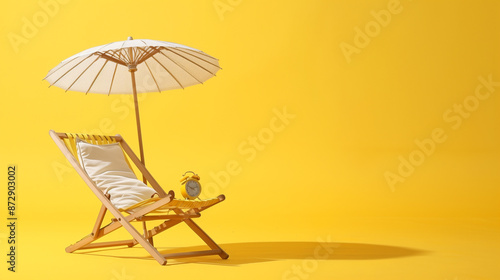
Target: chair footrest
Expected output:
[129,242]
[192,254]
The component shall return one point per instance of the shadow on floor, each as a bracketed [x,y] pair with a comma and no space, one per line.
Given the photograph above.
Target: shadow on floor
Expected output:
[256,252]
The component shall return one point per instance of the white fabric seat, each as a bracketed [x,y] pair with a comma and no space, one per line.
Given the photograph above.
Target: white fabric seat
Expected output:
[107,167]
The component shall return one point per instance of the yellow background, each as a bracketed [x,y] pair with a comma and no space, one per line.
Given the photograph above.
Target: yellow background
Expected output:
[321,176]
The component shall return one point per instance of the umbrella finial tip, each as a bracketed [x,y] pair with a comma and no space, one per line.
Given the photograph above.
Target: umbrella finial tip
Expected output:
[130,38]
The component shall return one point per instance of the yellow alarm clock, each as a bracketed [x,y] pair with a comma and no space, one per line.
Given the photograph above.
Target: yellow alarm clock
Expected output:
[191,187]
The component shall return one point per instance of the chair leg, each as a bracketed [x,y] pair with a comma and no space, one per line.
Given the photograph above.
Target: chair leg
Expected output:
[145,229]
[96,231]
[206,238]
[144,243]
[100,218]
[114,226]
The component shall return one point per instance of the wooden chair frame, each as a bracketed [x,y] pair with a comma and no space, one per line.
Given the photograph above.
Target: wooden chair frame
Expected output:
[141,215]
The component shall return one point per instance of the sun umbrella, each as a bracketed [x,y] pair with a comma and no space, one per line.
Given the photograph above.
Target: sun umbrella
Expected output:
[132,67]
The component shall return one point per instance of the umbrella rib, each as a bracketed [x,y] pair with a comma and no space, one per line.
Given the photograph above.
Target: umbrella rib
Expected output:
[117,56]
[145,62]
[182,67]
[70,70]
[120,53]
[146,52]
[105,62]
[148,55]
[133,55]
[215,65]
[122,56]
[72,60]
[202,53]
[141,53]
[169,71]
[191,61]
[109,57]
[103,46]
[48,75]
[112,79]
[82,73]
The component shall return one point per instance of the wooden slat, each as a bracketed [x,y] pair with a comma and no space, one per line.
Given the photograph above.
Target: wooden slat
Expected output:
[109,244]
[61,135]
[147,209]
[162,227]
[192,254]
[168,217]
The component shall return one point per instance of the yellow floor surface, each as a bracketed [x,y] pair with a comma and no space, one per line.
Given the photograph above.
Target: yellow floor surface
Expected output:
[325,110]
[354,248]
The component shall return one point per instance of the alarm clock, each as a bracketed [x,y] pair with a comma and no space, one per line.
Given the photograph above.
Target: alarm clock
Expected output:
[191,187]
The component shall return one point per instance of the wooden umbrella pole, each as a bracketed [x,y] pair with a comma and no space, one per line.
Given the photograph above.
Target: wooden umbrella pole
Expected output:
[138,120]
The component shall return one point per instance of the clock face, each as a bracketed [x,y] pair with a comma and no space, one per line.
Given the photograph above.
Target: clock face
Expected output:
[193,188]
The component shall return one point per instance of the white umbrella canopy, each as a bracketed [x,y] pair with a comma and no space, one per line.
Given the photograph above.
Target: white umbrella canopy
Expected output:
[160,66]
[131,67]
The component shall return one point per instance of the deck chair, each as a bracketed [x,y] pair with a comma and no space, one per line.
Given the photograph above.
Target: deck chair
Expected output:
[157,208]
